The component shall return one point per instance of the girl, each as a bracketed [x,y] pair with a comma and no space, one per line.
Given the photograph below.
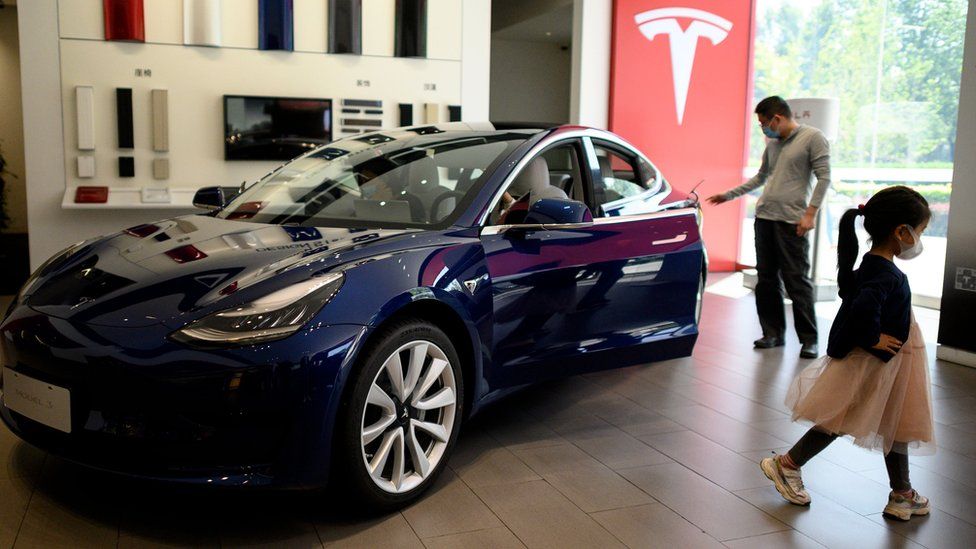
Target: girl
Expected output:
[873,384]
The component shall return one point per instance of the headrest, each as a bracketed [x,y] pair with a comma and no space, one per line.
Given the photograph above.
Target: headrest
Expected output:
[606,169]
[423,177]
[533,177]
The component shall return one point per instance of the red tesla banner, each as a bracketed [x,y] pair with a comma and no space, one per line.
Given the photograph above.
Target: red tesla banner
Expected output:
[681,91]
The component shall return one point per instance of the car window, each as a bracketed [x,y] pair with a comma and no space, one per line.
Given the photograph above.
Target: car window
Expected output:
[627,184]
[419,181]
[554,173]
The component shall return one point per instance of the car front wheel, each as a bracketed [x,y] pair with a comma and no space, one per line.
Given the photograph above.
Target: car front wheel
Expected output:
[403,416]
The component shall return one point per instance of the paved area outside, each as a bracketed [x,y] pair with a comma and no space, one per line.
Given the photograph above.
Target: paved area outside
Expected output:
[659,455]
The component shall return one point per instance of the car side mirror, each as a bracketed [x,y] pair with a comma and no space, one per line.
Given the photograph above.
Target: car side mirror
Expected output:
[557,211]
[214,198]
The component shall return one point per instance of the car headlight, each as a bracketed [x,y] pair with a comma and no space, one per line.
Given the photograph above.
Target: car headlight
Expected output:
[274,316]
[48,266]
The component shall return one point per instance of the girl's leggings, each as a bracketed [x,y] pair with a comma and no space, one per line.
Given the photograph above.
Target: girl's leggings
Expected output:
[896,461]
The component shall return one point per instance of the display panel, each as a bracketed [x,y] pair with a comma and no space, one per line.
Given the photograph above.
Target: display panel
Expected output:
[411,28]
[124,20]
[346,26]
[274,128]
[276,25]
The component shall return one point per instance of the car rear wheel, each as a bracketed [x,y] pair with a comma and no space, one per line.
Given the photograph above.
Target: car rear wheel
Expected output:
[403,416]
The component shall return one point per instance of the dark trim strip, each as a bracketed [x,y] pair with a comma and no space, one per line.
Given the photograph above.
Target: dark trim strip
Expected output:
[123,109]
[362,103]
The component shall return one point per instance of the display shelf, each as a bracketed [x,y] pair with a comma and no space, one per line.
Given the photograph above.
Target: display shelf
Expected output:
[130,198]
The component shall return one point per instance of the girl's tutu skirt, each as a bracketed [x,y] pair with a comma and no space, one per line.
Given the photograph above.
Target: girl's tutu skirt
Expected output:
[881,405]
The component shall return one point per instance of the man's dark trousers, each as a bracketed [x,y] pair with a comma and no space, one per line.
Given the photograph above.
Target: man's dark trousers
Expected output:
[783,255]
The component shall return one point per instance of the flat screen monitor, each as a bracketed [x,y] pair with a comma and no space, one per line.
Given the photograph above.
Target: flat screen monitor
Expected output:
[274,128]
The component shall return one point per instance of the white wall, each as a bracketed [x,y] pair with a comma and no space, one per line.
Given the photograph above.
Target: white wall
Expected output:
[590,90]
[12,121]
[196,78]
[530,82]
[959,305]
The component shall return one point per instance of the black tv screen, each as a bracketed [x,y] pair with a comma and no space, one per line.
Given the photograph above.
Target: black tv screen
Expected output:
[274,128]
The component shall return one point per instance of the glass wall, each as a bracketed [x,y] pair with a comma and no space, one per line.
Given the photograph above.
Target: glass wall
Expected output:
[895,66]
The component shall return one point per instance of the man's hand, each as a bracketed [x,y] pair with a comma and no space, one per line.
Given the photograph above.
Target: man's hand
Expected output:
[888,344]
[717,199]
[806,223]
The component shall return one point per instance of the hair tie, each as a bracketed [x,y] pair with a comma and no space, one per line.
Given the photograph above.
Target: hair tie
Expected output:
[860,209]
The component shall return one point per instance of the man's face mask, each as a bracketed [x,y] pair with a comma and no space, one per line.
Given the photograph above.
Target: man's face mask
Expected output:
[910,251]
[769,131]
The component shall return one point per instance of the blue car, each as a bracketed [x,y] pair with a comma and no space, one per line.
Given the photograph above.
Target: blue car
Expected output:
[345,314]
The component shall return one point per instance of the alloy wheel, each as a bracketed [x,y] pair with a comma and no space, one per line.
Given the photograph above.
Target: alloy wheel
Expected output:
[408,416]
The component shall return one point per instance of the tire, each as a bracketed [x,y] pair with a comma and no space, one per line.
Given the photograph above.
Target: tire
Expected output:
[396,435]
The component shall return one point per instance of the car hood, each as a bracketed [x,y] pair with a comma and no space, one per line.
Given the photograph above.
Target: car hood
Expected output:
[154,273]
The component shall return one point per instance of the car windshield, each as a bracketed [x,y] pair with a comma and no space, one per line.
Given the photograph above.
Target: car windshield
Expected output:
[397,179]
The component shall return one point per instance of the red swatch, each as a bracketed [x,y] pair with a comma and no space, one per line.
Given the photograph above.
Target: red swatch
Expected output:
[124,20]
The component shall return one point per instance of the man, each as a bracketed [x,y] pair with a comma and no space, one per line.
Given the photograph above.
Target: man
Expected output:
[785,214]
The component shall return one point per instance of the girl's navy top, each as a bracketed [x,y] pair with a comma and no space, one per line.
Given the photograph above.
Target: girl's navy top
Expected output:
[879,301]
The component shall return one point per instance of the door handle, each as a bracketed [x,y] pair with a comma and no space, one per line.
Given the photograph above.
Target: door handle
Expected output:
[675,240]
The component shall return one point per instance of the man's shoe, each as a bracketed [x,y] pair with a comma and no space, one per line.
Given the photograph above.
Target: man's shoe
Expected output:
[902,508]
[768,342]
[809,350]
[788,482]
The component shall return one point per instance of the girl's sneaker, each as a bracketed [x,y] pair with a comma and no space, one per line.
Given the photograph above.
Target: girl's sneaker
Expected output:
[902,508]
[788,482]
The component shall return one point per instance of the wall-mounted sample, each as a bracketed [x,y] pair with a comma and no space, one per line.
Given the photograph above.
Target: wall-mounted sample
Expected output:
[276,25]
[160,168]
[201,22]
[406,114]
[91,195]
[123,110]
[160,120]
[155,195]
[361,115]
[454,113]
[411,28]
[432,113]
[127,166]
[274,128]
[346,26]
[86,166]
[124,20]
[85,114]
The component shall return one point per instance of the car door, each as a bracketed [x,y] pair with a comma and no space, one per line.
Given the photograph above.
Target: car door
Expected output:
[534,273]
[643,282]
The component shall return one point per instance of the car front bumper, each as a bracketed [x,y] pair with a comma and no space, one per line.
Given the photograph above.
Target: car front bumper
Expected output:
[145,406]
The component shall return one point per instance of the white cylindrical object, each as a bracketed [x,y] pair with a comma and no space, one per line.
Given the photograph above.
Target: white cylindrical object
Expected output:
[201,22]
[822,113]
[85,114]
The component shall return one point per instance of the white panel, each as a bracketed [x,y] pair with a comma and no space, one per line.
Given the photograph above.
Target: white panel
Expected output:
[444,29]
[81,19]
[86,167]
[85,116]
[239,24]
[164,21]
[201,22]
[311,25]
[475,60]
[379,17]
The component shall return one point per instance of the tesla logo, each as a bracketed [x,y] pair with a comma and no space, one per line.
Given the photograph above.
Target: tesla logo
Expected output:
[683,42]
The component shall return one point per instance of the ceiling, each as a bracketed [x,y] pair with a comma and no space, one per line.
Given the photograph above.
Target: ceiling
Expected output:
[553,26]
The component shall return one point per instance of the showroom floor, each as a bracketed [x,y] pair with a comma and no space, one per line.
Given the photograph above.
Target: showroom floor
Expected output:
[662,455]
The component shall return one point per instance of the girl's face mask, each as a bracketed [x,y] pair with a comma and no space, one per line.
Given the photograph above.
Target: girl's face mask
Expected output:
[913,250]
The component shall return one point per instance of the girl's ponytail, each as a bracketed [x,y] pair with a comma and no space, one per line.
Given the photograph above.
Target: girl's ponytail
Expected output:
[847,249]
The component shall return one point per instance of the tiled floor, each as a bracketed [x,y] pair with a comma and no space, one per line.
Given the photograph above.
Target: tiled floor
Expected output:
[661,455]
